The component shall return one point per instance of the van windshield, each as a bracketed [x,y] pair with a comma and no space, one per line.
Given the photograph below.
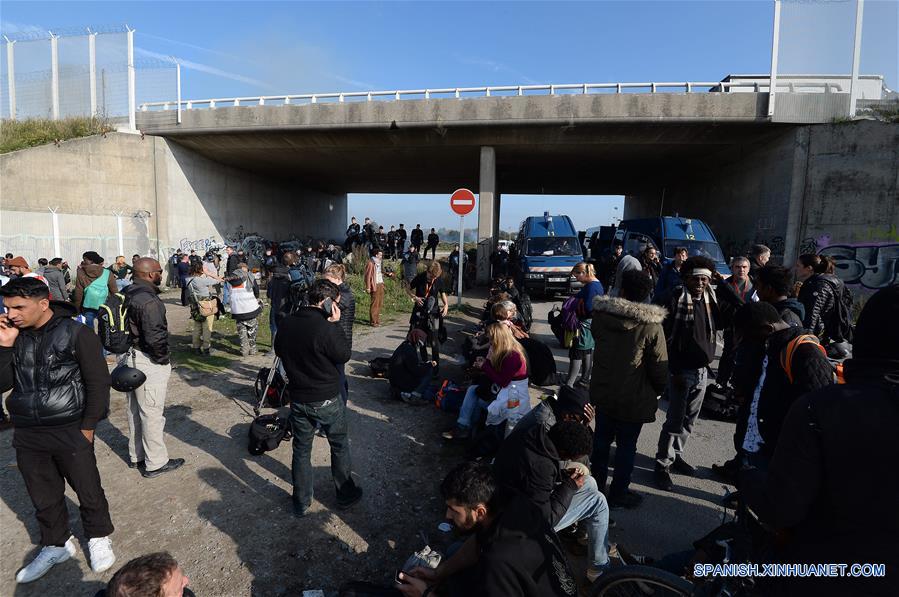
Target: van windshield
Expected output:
[553,245]
[695,247]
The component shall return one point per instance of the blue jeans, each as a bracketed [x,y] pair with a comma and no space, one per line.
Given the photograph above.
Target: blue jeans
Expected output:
[686,389]
[588,506]
[90,318]
[330,415]
[226,294]
[472,406]
[272,324]
[625,436]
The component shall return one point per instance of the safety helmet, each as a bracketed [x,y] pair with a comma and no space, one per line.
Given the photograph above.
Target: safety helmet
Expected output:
[127,379]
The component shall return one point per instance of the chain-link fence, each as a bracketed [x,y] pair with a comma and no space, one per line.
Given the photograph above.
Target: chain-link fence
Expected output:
[84,73]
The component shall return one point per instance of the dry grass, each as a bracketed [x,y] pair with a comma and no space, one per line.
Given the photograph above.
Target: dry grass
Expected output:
[21,134]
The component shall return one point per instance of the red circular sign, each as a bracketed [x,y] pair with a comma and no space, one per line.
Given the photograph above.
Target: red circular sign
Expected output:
[462,202]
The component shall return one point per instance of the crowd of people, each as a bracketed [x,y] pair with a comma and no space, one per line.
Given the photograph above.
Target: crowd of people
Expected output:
[534,482]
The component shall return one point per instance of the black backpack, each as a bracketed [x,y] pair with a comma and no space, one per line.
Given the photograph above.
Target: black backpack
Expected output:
[526,309]
[112,318]
[267,432]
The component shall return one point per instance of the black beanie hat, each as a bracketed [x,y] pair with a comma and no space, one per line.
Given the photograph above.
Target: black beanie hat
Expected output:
[571,400]
[877,331]
[93,257]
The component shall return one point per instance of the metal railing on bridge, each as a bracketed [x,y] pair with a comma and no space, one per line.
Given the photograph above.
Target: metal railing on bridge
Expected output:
[474,92]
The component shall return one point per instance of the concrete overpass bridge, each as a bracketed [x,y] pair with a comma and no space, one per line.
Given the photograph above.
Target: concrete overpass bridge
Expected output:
[712,150]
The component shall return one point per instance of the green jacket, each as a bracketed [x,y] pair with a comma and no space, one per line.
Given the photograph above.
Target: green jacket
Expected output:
[630,361]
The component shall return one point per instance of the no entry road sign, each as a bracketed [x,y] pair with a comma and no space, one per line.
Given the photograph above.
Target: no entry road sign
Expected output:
[462,202]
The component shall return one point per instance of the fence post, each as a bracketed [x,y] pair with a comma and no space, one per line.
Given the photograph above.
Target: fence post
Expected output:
[131,93]
[121,238]
[54,76]
[57,251]
[178,82]
[11,76]
[856,56]
[775,46]
[92,69]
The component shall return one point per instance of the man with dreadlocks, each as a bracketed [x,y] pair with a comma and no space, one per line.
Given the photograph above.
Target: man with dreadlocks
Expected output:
[696,313]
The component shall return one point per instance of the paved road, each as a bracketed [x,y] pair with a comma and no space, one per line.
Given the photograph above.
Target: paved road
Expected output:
[666,521]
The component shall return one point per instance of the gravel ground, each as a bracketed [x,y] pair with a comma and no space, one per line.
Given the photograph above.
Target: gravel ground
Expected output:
[226,515]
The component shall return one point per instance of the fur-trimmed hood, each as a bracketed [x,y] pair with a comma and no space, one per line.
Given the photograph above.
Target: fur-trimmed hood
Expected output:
[624,314]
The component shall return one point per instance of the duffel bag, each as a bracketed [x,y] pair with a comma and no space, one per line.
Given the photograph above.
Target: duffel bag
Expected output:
[267,432]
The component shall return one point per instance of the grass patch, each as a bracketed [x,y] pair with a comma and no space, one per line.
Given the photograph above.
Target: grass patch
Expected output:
[225,345]
[21,134]
[396,303]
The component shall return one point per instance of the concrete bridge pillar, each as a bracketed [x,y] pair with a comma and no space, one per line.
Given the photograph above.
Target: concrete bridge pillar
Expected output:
[488,213]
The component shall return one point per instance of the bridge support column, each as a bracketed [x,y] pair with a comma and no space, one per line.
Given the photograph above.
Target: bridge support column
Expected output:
[488,213]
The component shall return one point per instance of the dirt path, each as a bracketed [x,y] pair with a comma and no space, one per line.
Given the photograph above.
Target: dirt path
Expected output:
[226,515]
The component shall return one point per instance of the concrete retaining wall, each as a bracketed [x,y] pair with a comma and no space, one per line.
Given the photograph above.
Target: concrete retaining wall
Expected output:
[169,196]
[829,188]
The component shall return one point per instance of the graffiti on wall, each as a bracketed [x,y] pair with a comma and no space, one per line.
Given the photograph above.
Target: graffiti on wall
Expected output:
[200,245]
[873,266]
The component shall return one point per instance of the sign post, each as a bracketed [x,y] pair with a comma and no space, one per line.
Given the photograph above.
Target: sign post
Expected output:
[462,202]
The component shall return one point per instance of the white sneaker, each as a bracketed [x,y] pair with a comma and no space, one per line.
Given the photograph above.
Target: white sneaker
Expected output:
[102,557]
[48,557]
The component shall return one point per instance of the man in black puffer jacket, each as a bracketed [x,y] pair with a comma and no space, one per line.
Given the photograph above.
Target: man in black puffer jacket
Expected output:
[60,391]
[832,483]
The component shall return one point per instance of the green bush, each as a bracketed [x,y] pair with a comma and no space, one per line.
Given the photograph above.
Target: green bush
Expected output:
[20,134]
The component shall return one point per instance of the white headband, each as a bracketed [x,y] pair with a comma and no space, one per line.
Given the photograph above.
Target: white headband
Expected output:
[701,271]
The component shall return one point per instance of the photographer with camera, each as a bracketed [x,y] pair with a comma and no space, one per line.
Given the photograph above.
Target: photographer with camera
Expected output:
[312,349]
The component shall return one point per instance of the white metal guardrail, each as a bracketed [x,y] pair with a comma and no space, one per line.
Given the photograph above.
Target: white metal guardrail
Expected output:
[471,92]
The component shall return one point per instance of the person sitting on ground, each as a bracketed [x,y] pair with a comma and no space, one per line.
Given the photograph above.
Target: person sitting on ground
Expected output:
[121,271]
[630,371]
[511,550]
[409,375]
[506,311]
[506,363]
[538,463]
[832,482]
[156,574]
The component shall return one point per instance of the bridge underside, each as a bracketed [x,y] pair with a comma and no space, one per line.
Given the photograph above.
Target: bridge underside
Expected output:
[712,156]
[580,159]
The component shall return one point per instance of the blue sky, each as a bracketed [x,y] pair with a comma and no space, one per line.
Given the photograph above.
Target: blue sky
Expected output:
[255,48]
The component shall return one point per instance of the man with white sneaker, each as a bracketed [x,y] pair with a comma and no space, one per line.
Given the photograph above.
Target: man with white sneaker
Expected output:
[60,391]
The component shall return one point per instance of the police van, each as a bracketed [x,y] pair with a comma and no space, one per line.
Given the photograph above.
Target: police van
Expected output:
[547,250]
[668,232]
